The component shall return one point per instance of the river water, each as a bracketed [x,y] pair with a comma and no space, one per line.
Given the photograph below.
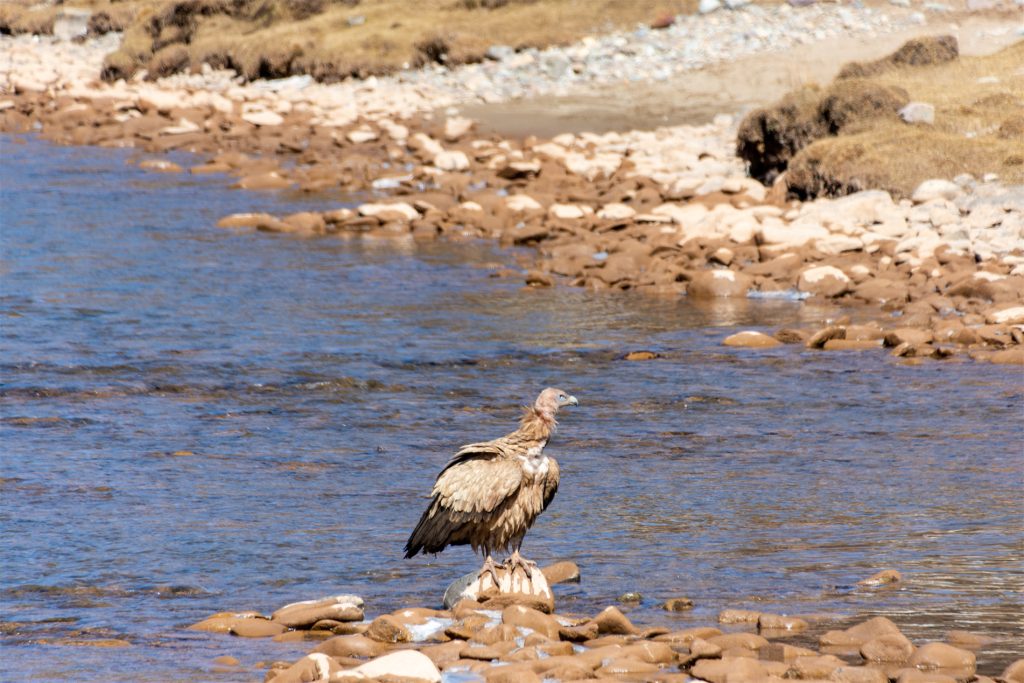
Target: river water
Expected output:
[195,420]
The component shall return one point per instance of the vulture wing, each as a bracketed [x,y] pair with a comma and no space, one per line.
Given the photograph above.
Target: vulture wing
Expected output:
[474,484]
[551,482]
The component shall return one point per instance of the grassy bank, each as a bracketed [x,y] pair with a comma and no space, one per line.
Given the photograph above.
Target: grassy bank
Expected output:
[334,39]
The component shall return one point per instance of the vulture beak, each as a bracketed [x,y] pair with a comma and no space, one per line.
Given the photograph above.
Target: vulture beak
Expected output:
[572,401]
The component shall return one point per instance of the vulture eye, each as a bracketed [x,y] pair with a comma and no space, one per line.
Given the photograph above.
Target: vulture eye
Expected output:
[561,398]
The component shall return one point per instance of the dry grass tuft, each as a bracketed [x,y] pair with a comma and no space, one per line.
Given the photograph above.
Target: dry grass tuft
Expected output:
[848,138]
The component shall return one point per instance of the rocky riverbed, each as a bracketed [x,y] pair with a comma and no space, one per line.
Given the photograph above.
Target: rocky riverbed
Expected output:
[669,211]
[476,641]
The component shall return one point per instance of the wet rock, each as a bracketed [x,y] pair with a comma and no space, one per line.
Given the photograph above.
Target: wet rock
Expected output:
[631,597]
[791,336]
[891,647]
[160,165]
[780,622]
[611,620]
[701,648]
[308,612]
[306,222]
[226,660]
[887,576]
[562,572]
[404,664]
[395,211]
[256,628]
[824,281]
[858,674]
[751,339]
[641,355]
[852,344]
[580,633]
[942,656]
[915,676]
[444,654]
[622,666]
[783,652]
[861,633]
[825,335]
[312,667]
[509,674]
[688,635]
[351,646]
[719,283]
[815,666]
[677,604]
[519,615]
[1014,671]
[387,629]
[513,588]
[222,622]
[536,278]
[271,180]
[730,670]
[738,616]
[746,641]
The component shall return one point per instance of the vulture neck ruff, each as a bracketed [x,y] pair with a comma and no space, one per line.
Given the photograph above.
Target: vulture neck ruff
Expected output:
[536,424]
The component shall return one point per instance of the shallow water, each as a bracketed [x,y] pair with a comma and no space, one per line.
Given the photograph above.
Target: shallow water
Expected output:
[195,421]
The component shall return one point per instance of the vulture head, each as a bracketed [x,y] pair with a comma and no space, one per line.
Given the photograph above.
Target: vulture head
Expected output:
[551,399]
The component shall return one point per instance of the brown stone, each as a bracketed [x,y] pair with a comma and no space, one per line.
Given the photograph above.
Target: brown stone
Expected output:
[738,616]
[222,622]
[915,676]
[858,674]
[891,647]
[511,674]
[783,652]
[729,670]
[852,344]
[624,666]
[351,646]
[444,654]
[791,336]
[677,604]
[519,615]
[716,283]
[306,613]
[886,576]
[747,641]
[650,652]
[780,622]
[687,636]
[825,335]
[307,222]
[1008,357]
[751,339]
[263,181]
[387,629]
[256,628]
[611,620]
[861,633]
[579,634]
[701,648]
[1014,671]
[942,656]
[815,666]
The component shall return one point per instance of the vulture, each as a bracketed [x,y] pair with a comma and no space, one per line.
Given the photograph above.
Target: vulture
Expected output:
[490,493]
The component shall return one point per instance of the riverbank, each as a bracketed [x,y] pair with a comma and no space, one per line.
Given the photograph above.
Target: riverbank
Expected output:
[522,644]
[669,211]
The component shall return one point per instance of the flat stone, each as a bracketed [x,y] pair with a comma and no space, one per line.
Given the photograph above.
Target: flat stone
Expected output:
[611,620]
[936,188]
[263,118]
[942,656]
[719,283]
[751,339]
[562,572]
[256,628]
[891,647]
[402,664]
[887,576]
[452,160]
[308,612]
[387,629]
[824,281]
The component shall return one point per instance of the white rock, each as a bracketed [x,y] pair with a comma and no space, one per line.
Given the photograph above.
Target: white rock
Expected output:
[918,112]
[430,147]
[361,135]
[616,212]
[456,127]
[401,664]
[567,211]
[936,188]
[402,208]
[470,206]
[791,235]
[184,126]
[522,202]
[263,118]
[817,273]
[593,167]
[708,6]
[1007,316]
[452,160]
[836,244]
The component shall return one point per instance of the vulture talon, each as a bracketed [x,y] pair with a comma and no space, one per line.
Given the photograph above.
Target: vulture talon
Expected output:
[517,561]
[490,567]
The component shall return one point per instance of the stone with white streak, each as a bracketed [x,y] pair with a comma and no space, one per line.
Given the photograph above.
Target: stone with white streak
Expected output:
[824,281]
[452,160]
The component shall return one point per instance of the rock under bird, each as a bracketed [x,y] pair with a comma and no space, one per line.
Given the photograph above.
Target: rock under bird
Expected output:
[490,493]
